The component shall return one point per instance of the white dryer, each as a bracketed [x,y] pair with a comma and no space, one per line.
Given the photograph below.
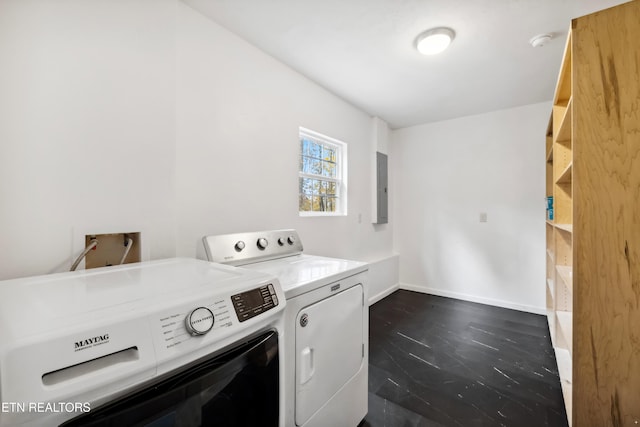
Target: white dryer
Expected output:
[326,324]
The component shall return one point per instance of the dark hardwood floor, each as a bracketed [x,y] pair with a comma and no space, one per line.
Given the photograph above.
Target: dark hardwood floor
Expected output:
[437,361]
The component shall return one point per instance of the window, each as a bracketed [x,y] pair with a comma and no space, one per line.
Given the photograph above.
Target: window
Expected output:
[322,175]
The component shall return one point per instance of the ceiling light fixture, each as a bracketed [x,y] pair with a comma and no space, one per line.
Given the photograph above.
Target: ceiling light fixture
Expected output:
[540,40]
[434,41]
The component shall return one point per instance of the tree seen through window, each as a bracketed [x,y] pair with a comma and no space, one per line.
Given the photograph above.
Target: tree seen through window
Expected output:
[320,177]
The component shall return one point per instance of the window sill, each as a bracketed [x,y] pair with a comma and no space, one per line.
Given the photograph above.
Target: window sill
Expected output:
[316,214]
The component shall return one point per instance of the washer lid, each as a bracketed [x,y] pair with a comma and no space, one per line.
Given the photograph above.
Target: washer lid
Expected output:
[303,273]
[79,299]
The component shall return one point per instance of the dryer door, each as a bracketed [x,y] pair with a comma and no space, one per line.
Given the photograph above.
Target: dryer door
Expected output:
[329,349]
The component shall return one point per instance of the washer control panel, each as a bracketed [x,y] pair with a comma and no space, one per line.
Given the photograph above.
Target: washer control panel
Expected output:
[189,326]
[251,303]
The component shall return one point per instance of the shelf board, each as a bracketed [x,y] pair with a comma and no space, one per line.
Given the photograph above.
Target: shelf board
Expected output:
[565,176]
[565,227]
[564,131]
[567,391]
[550,285]
[549,222]
[563,85]
[565,273]
[565,324]
[549,139]
[551,318]
[550,254]
[563,358]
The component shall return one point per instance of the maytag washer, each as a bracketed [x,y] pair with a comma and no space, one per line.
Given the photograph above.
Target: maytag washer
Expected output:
[326,324]
[179,342]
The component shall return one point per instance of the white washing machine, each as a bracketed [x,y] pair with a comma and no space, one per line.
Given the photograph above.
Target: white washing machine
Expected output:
[179,342]
[326,324]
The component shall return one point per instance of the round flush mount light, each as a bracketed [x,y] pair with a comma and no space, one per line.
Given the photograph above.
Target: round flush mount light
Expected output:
[434,41]
[540,40]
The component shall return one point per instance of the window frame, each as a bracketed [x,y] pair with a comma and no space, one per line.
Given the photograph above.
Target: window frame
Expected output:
[340,180]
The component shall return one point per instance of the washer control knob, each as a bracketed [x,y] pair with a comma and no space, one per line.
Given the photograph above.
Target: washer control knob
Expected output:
[239,245]
[199,321]
[291,240]
[262,243]
[281,241]
[304,320]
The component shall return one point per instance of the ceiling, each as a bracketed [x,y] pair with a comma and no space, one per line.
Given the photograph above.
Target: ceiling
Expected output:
[363,50]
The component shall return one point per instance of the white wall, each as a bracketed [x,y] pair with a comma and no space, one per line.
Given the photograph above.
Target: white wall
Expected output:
[87,127]
[142,115]
[442,176]
[237,146]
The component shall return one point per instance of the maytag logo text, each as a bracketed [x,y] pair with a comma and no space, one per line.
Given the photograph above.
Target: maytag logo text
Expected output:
[90,342]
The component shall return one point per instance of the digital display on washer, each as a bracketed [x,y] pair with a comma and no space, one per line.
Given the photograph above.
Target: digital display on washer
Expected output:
[251,303]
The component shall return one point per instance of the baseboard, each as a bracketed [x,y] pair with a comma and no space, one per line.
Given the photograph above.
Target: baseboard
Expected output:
[473,298]
[377,297]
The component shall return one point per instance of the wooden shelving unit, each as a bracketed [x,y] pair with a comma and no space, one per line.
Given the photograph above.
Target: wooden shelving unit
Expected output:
[565,175]
[593,242]
[564,130]
[567,228]
[565,273]
[560,235]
